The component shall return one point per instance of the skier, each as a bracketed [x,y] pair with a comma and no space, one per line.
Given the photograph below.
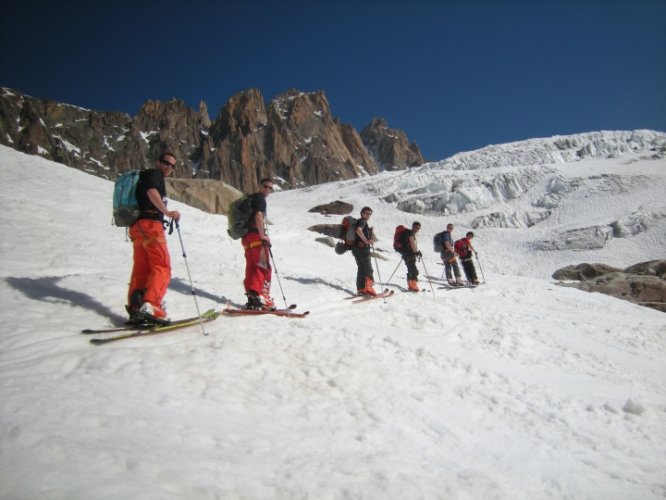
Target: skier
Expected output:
[361,251]
[257,243]
[409,253]
[449,258]
[151,271]
[465,251]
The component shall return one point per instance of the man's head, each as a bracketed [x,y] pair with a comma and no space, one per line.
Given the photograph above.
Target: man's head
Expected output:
[469,235]
[266,186]
[416,226]
[166,163]
[366,212]
[449,228]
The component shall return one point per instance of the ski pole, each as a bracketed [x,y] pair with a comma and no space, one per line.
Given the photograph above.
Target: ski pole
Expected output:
[480,268]
[372,247]
[428,277]
[278,276]
[194,293]
[394,271]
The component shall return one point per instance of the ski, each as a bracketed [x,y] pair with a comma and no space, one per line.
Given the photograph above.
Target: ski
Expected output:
[455,287]
[359,296]
[142,326]
[383,295]
[206,317]
[287,312]
[112,329]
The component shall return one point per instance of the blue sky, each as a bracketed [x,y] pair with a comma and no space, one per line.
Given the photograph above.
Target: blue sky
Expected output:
[454,75]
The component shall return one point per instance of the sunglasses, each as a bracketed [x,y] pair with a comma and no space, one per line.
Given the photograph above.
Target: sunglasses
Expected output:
[267,187]
[164,162]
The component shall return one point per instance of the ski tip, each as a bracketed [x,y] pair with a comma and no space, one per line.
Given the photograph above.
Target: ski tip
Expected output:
[88,330]
[97,341]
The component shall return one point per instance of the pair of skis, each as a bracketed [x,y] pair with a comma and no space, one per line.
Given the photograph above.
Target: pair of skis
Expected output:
[131,331]
[287,312]
[146,330]
[455,287]
[357,299]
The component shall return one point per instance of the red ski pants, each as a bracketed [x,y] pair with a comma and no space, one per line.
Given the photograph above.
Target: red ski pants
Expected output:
[257,264]
[152,266]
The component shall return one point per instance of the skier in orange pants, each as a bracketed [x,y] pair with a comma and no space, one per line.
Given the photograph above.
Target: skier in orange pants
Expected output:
[151,272]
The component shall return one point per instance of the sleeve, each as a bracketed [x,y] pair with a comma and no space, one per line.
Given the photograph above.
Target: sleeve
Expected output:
[258,204]
[152,179]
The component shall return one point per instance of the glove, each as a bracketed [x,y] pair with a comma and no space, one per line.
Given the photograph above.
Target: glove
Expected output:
[419,254]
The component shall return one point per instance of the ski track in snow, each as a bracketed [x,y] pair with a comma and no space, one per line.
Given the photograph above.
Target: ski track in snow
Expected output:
[515,389]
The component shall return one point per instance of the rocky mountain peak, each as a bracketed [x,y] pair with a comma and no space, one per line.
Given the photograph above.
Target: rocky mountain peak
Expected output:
[294,138]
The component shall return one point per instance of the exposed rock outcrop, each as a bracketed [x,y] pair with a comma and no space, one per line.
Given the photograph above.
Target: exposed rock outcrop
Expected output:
[335,207]
[583,272]
[205,194]
[643,283]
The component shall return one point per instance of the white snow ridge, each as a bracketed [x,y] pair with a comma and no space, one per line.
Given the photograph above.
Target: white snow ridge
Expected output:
[515,389]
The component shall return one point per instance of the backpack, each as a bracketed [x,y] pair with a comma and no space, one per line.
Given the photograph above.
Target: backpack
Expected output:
[238,217]
[462,248]
[348,232]
[438,242]
[125,206]
[399,240]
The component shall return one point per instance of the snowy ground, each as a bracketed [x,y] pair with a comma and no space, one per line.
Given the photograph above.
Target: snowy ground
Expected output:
[516,389]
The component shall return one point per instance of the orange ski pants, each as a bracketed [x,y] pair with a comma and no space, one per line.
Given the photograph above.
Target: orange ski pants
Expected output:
[257,264]
[152,266]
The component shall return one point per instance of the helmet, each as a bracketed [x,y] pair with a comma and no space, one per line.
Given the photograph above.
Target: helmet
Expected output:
[340,248]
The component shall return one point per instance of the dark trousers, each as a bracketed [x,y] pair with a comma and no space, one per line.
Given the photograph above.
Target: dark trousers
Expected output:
[450,264]
[470,271]
[410,262]
[362,256]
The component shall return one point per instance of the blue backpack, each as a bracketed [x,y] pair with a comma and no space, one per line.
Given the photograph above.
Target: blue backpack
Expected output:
[125,206]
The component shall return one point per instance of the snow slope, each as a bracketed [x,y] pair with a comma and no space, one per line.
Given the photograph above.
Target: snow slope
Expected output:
[516,389]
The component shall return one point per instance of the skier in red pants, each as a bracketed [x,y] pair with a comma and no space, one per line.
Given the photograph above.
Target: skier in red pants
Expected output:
[256,243]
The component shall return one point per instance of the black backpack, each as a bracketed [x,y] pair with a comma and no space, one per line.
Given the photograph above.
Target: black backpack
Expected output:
[438,242]
[238,217]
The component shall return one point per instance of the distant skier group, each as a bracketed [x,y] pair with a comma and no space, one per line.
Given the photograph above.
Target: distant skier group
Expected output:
[404,242]
[151,270]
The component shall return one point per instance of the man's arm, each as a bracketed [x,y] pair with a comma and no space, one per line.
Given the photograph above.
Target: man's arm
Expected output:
[155,198]
[259,221]
[412,244]
[359,233]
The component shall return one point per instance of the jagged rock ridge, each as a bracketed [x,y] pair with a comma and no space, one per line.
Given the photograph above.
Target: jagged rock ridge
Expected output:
[294,138]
